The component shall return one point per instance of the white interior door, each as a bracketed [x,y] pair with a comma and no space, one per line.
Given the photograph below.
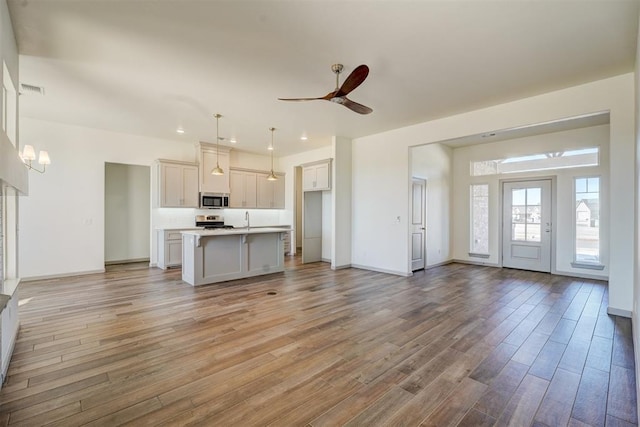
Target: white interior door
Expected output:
[418,223]
[526,219]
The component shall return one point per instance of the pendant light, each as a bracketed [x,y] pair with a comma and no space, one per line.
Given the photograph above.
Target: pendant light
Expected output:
[272,176]
[217,170]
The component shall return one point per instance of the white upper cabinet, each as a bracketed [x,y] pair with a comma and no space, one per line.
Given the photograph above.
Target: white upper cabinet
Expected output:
[317,176]
[177,184]
[243,189]
[208,157]
[270,193]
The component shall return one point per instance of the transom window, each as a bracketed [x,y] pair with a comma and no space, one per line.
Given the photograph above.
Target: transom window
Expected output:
[536,162]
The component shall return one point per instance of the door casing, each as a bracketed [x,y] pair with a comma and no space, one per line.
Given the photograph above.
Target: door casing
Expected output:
[423,224]
[554,221]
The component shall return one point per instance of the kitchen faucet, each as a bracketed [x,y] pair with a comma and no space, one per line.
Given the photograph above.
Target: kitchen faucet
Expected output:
[246,218]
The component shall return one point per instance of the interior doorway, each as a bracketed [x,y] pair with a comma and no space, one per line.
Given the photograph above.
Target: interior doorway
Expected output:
[418,224]
[526,219]
[298,210]
[312,227]
[127,213]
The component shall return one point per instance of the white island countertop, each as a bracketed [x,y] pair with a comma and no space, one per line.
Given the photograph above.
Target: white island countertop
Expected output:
[235,231]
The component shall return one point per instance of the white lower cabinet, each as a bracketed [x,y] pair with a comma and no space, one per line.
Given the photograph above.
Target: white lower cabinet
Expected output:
[170,248]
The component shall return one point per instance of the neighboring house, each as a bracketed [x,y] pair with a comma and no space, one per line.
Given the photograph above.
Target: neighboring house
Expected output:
[588,212]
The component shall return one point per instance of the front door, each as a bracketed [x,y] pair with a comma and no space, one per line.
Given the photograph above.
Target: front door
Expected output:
[526,219]
[418,226]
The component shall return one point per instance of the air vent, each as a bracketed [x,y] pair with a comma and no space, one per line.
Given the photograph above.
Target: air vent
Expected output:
[26,88]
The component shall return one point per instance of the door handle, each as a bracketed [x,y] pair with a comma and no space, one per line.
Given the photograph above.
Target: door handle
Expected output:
[423,228]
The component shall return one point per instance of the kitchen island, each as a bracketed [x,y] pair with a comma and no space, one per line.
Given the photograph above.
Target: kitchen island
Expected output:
[211,256]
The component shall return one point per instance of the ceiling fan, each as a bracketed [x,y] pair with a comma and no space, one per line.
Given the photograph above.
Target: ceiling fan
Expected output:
[339,95]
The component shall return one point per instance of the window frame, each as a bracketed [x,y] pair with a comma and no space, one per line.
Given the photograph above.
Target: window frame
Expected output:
[473,253]
[586,264]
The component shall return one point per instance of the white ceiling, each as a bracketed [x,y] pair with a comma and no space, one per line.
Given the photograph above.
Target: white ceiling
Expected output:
[149,67]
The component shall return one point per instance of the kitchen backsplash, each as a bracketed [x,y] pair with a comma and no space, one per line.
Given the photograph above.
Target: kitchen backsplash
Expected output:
[259,217]
[175,218]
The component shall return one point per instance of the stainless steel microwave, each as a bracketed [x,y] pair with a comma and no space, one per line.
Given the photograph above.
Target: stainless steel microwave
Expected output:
[214,201]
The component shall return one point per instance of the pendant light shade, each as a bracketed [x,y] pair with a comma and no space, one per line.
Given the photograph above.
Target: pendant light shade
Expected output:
[217,170]
[272,176]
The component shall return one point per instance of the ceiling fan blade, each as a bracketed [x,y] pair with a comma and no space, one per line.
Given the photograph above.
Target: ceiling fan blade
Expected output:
[354,80]
[300,99]
[354,106]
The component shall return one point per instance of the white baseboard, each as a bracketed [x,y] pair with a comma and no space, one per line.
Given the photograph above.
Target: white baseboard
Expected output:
[486,264]
[619,312]
[340,267]
[580,276]
[57,276]
[126,261]
[439,264]
[381,270]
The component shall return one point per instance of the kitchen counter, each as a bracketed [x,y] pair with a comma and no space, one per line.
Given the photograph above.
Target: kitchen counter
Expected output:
[178,228]
[218,255]
[234,231]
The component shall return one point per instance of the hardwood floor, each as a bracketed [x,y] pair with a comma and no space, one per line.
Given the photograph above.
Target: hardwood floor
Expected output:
[455,345]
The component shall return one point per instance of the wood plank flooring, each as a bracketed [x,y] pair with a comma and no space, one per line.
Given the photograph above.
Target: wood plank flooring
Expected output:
[455,345]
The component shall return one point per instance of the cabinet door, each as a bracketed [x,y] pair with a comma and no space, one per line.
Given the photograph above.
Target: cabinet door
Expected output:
[243,189]
[214,183]
[173,253]
[237,195]
[278,193]
[265,191]
[250,189]
[170,185]
[190,186]
[322,177]
[309,178]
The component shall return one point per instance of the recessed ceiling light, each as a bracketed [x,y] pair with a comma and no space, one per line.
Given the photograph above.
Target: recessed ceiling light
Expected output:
[232,140]
[303,138]
[180,131]
[270,148]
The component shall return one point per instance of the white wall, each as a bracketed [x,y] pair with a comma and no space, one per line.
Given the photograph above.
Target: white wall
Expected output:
[127,212]
[62,220]
[13,178]
[596,136]
[341,203]
[380,242]
[636,287]
[433,162]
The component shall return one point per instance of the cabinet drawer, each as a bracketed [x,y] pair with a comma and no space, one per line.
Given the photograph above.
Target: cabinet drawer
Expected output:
[173,235]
